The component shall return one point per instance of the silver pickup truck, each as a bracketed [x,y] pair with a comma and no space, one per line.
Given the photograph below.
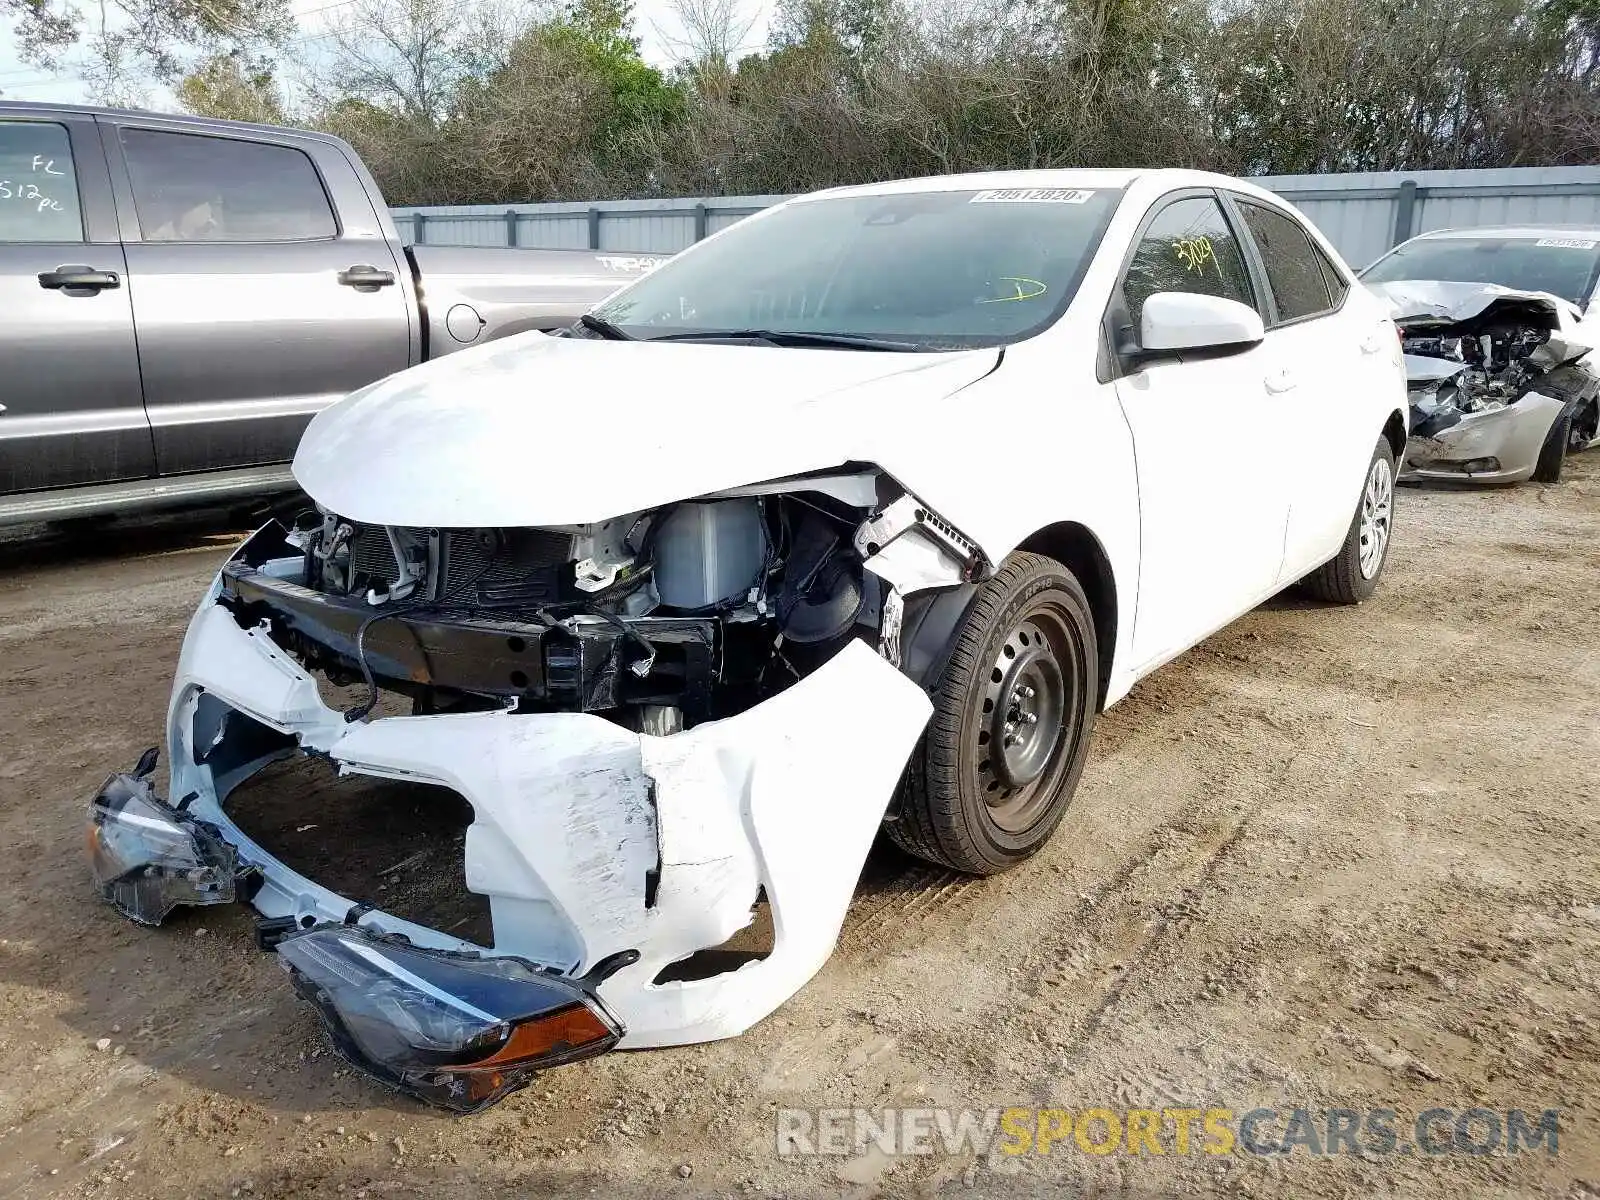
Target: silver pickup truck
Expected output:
[179,296]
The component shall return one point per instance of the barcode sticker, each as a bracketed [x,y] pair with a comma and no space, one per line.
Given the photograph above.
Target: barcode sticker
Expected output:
[1033,196]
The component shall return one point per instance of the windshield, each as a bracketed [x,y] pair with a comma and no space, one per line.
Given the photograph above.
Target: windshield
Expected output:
[1563,266]
[918,271]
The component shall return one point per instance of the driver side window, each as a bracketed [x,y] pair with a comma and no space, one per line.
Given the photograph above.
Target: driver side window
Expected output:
[1187,248]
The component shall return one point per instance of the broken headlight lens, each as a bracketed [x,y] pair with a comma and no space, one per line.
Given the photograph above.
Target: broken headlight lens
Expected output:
[456,1030]
[147,858]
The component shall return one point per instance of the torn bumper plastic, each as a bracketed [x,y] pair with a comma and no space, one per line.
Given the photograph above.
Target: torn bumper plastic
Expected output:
[1499,445]
[590,841]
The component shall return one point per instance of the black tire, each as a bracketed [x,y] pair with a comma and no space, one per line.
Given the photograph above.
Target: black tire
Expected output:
[1585,427]
[1553,454]
[1341,580]
[1029,630]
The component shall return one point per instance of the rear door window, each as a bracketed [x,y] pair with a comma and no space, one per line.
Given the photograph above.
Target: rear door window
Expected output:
[1188,247]
[194,188]
[38,187]
[1291,262]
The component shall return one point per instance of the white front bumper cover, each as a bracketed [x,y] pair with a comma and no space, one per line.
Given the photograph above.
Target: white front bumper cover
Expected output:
[572,811]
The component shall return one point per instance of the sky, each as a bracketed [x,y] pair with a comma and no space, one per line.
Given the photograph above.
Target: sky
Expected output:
[654,23]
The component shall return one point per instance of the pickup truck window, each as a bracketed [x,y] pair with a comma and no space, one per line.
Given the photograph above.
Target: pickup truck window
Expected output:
[194,188]
[38,188]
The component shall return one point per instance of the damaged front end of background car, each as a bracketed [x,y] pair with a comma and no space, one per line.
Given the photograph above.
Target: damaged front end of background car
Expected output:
[1500,382]
[658,720]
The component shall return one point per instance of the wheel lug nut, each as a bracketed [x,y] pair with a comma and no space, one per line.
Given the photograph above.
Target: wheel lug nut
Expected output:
[1030,718]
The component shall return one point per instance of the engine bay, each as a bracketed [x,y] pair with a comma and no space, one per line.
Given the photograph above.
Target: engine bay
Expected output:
[658,620]
[1485,362]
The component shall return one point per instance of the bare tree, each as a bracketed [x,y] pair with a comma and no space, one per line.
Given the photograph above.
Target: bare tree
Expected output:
[119,46]
[710,34]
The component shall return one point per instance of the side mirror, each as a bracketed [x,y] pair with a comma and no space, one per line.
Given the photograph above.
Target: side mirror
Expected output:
[1173,321]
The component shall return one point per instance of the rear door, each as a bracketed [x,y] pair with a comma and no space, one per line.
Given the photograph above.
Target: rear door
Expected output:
[258,299]
[71,411]
[1212,495]
[1327,355]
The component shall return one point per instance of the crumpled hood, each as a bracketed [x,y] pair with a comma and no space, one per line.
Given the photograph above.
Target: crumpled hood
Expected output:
[1450,302]
[539,430]
[1433,306]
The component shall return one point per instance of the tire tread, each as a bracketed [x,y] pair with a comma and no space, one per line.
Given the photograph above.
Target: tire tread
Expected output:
[930,793]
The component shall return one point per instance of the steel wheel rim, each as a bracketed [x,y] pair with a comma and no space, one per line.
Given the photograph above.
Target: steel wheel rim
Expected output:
[1027,701]
[1377,508]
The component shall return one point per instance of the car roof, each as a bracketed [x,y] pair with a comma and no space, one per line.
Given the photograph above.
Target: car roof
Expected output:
[1166,178]
[90,110]
[1510,232]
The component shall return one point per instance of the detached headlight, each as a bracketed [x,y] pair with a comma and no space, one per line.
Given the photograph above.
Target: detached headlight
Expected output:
[147,858]
[456,1030]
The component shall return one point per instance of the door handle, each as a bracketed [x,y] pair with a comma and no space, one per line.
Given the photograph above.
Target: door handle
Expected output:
[64,278]
[1280,381]
[365,277]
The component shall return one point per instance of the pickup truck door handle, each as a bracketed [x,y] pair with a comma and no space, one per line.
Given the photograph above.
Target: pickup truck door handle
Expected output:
[69,278]
[365,277]
[1280,381]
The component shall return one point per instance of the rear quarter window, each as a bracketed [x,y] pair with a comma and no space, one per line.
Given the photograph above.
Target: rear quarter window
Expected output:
[1294,268]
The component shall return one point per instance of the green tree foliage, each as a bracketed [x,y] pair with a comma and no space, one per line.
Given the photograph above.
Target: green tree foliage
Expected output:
[230,86]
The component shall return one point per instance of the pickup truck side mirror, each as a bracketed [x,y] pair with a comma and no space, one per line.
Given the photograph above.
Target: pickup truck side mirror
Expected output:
[1177,321]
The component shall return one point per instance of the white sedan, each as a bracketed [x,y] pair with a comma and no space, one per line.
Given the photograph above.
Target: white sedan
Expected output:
[852,516]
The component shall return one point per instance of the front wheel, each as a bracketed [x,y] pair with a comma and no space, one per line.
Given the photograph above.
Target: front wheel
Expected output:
[1553,454]
[1351,575]
[1000,760]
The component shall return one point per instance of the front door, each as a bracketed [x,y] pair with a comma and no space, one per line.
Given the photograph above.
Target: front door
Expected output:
[255,306]
[71,411]
[1212,493]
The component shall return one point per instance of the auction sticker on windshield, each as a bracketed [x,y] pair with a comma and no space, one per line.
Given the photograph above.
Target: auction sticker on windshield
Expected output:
[1033,196]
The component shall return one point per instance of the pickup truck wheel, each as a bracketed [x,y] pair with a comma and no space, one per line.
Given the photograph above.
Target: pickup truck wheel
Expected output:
[1013,710]
[1351,575]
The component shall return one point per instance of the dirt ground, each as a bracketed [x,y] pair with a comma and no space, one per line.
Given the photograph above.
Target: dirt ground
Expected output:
[1328,858]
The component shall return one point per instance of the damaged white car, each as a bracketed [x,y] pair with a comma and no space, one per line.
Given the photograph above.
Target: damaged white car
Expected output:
[1492,321]
[850,517]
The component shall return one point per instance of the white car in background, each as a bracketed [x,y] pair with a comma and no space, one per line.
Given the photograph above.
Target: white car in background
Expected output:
[850,517]
[1498,327]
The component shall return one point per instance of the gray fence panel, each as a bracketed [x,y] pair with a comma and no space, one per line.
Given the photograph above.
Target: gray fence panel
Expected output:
[1362,214]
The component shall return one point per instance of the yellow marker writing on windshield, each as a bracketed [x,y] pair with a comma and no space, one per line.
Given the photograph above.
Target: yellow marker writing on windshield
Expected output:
[1026,289]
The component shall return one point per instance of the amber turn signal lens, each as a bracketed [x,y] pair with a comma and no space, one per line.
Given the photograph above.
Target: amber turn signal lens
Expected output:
[553,1035]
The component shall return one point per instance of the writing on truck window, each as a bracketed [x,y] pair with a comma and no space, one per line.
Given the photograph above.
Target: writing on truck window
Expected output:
[38,189]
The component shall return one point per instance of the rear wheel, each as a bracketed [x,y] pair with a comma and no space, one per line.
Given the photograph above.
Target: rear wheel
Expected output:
[1351,575]
[997,767]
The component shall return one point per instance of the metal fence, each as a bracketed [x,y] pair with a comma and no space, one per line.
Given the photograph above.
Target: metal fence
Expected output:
[1362,214]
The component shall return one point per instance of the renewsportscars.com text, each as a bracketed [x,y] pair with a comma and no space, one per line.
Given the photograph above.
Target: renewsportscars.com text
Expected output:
[1370,1132]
